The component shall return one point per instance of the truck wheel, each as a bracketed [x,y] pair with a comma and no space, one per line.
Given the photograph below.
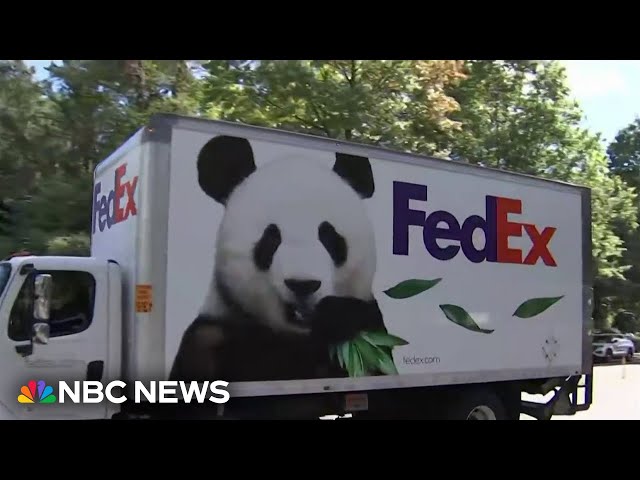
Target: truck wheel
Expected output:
[480,403]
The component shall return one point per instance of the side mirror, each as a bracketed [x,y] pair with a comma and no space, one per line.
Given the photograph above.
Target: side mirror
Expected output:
[41,308]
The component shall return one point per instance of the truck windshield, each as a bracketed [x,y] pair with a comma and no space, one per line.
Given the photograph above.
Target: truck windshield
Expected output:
[5,273]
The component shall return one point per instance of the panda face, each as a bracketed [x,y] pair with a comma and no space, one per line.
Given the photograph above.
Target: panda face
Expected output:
[301,273]
[293,232]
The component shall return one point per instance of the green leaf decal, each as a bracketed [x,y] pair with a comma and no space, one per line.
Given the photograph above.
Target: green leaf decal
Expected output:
[535,306]
[460,316]
[367,354]
[382,339]
[343,355]
[386,365]
[355,366]
[410,288]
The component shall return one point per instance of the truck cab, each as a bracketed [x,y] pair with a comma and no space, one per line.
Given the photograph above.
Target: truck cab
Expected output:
[60,319]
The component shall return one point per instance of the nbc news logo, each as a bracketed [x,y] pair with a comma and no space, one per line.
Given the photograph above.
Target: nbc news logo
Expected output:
[36,392]
[95,392]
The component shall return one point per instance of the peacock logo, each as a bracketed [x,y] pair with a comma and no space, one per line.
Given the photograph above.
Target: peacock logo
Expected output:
[44,393]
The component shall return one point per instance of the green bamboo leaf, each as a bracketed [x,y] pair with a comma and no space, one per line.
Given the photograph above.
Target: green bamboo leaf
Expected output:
[343,355]
[410,288]
[387,366]
[383,339]
[355,361]
[535,306]
[369,354]
[461,317]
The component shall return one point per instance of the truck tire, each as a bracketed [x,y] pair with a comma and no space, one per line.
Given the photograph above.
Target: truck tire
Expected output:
[476,403]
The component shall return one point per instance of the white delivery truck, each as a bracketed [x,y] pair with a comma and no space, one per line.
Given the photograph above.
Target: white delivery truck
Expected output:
[315,276]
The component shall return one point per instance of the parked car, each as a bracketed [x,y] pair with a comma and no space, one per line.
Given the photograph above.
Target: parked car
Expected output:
[607,346]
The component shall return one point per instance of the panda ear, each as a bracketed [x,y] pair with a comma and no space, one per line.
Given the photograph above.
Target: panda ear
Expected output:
[223,163]
[356,171]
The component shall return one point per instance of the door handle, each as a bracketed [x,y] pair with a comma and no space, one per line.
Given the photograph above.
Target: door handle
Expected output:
[25,350]
[94,370]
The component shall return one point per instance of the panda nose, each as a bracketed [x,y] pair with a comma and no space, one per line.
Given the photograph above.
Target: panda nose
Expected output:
[302,288]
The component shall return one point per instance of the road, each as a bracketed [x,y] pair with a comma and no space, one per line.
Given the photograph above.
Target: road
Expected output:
[616,393]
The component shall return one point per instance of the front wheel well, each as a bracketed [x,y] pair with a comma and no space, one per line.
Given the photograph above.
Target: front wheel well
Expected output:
[495,401]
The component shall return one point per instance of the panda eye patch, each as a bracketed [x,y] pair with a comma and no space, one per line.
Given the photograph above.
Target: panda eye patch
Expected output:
[335,243]
[266,247]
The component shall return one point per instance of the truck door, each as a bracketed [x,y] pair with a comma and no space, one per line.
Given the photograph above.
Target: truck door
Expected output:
[78,344]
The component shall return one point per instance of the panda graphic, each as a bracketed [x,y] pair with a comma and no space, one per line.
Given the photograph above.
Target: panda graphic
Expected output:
[294,265]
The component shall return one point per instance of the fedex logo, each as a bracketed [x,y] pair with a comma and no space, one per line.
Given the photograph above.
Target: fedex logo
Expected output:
[496,226]
[116,205]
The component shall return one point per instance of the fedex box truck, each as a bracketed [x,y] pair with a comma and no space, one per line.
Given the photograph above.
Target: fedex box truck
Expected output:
[244,272]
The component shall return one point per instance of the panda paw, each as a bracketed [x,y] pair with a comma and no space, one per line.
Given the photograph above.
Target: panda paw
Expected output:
[338,319]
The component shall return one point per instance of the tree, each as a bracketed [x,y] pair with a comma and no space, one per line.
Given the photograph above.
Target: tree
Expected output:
[627,322]
[624,153]
[395,103]
[64,126]
[28,147]
[624,160]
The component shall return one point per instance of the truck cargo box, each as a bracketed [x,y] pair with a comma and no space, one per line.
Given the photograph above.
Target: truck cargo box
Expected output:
[250,254]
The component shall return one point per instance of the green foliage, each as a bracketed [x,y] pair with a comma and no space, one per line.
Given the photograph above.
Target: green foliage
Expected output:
[516,115]
[627,322]
[77,244]
[53,133]
[624,153]
[622,294]
[396,103]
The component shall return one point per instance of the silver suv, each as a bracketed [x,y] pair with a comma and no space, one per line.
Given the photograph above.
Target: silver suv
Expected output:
[608,346]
